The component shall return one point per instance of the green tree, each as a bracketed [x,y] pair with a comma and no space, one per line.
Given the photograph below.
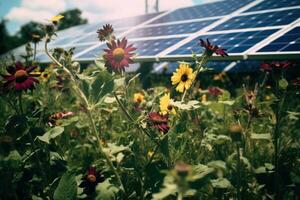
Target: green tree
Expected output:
[71,18]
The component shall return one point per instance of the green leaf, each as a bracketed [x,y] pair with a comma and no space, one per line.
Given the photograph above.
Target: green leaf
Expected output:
[67,188]
[222,183]
[85,86]
[266,136]
[51,134]
[283,84]
[102,85]
[106,191]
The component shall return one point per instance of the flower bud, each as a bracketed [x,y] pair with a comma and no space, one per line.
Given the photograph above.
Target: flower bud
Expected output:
[236,132]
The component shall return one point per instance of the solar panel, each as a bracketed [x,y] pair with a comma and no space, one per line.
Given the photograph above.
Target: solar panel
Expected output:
[236,42]
[275,18]
[290,41]
[272,4]
[203,11]
[172,29]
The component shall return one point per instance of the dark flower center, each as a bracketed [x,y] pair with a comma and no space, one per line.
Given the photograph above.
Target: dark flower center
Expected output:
[21,76]
[184,78]
[118,54]
[91,178]
[45,75]
[170,107]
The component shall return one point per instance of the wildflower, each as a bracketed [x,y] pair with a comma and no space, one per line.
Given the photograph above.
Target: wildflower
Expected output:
[275,66]
[219,77]
[211,49]
[296,82]
[118,55]
[138,97]
[106,33]
[60,115]
[150,153]
[91,180]
[236,132]
[56,19]
[20,77]
[36,38]
[45,75]
[203,98]
[183,77]
[166,106]
[215,91]
[182,169]
[159,122]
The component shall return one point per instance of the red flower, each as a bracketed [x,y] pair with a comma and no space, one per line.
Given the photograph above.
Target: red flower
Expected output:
[20,78]
[91,180]
[159,122]
[105,33]
[118,55]
[215,91]
[275,66]
[211,49]
[296,82]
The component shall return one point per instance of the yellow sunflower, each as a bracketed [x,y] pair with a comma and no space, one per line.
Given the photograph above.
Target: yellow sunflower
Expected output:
[56,19]
[183,77]
[138,97]
[166,106]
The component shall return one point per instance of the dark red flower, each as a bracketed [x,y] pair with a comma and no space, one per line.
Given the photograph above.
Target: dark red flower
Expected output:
[159,122]
[91,180]
[275,66]
[296,82]
[118,55]
[105,33]
[211,49]
[215,91]
[19,77]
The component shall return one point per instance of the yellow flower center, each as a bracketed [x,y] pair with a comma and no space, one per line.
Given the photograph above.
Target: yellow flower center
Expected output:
[21,75]
[184,78]
[118,54]
[170,107]
[91,178]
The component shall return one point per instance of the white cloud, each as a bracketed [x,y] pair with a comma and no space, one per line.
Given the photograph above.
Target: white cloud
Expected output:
[35,10]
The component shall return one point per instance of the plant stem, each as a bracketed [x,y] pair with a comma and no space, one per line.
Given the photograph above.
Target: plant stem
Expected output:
[85,102]
[20,103]
[34,51]
[198,68]
[131,118]
[238,169]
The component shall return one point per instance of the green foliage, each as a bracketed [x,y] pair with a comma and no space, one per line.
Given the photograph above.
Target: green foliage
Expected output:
[67,188]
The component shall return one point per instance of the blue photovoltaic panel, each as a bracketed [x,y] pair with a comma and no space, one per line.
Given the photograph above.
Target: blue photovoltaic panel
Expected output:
[245,66]
[260,20]
[233,42]
[144,47]
[201,11]
[288,42]
[170,29]
[272,4]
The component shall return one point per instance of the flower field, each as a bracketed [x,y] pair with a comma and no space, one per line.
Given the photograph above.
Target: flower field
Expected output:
[76,132]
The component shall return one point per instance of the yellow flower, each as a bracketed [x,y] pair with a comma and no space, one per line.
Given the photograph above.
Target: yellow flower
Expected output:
[150,153]
[203,98]
[45,76]
[56,19]
[183,77]
[138,97]
[166,106]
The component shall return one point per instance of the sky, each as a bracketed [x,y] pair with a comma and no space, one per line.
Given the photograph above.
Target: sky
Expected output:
[19,12]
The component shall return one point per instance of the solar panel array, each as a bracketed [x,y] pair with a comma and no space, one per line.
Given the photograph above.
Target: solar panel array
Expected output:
[245,28]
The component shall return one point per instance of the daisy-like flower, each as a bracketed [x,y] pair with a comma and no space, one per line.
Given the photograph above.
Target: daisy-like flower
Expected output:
[55,19]
[19,77]
[118,55]
[106,33]
[159,122]
[183,77]
[91,180]
[215,91]
[138,97]
[57,116]
[166,106]
[276,67]
[211,49]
